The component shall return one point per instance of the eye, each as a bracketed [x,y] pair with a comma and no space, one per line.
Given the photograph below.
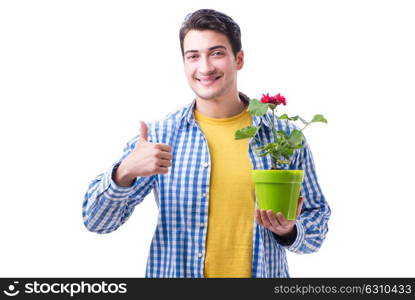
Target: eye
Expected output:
[217,53]
[192,56]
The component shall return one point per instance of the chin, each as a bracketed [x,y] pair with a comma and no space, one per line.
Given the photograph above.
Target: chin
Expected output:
[207,96]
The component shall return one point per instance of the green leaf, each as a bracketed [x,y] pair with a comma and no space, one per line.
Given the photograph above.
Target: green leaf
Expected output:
[296,138]
[275,156]
[257,108]
[286,117]
[270,146]
[318,118]
[263,154]
[295,118]
[285,152]
[246,132]
[282,134]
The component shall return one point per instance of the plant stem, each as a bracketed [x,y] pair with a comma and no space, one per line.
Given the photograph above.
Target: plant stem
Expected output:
[305,126]
[274,134]
[273,127]
[258,141]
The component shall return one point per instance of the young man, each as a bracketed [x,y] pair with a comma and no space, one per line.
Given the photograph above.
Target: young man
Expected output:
[208,225]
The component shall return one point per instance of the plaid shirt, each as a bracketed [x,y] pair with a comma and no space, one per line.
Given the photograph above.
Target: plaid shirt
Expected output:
[182,196]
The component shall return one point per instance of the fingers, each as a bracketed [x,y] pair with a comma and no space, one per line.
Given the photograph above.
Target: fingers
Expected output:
[163,147]
[164,158]
[263,219]
[274,219]
[143,131]
[164,155]
[258,217]
[164,163]
[159,154]
[277,223]
[162,170]
[282,220]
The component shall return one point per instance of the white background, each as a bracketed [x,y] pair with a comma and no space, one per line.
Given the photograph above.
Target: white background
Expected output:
[77,76]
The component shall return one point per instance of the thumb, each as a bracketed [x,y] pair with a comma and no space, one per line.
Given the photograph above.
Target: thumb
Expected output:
[143,131]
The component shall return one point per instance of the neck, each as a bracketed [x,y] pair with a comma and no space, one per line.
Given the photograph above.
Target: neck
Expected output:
[219,108]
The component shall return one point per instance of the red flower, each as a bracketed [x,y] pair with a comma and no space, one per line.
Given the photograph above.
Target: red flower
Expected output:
[277,99]
[265,98]
[281,99]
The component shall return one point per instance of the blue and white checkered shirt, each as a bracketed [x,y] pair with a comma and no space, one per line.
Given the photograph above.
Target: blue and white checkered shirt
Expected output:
[182,196]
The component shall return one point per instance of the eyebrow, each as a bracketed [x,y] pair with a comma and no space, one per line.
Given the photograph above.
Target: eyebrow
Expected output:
[210,49]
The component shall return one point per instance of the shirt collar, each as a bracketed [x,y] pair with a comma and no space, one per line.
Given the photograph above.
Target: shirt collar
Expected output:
[188,118]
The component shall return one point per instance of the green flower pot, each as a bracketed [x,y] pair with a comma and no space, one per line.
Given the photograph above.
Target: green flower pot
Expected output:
[278,190]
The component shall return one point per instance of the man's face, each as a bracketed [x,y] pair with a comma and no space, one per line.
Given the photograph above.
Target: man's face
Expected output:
[209,64]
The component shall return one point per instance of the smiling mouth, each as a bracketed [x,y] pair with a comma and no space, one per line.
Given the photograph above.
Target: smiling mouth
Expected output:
[209,80]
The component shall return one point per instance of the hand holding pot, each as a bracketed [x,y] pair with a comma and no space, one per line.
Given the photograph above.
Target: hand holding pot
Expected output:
[277,223]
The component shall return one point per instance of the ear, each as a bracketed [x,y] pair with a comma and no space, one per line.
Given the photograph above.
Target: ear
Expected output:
[240,59]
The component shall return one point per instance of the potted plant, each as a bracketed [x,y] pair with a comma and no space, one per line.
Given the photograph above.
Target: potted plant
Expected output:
[277,189]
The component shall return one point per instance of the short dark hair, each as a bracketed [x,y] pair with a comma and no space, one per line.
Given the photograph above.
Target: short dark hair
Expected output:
[204,19]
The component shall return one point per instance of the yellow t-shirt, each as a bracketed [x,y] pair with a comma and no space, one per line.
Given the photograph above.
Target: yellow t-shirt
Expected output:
[231,198]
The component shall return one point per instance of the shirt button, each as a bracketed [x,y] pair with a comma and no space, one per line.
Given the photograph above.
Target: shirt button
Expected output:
[202,224]
[200,255]
[205,164]
[204,195]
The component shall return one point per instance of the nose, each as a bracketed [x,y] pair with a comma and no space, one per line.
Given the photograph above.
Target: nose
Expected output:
[205,66]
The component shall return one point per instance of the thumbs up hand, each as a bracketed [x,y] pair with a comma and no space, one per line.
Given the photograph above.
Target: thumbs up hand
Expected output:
[146,159]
